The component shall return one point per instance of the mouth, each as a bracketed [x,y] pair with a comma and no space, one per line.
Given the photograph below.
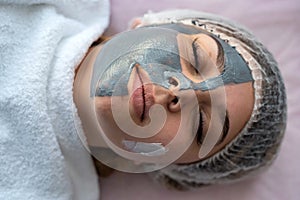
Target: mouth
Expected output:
[141,94]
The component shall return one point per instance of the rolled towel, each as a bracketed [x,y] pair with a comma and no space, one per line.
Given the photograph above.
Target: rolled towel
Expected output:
[41,43]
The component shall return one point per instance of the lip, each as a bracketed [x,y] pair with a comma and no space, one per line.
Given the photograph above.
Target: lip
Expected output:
[142,93]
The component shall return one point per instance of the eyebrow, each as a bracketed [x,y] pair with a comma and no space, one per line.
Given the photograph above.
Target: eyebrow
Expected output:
[220,57]
[195,53]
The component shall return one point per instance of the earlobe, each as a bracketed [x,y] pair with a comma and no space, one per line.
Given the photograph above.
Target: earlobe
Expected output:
[135,23]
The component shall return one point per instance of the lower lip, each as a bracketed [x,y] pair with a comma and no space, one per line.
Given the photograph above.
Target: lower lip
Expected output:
[149,99]
[138,102]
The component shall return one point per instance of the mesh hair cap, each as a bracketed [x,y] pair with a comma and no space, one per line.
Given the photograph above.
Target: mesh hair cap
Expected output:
[257,145]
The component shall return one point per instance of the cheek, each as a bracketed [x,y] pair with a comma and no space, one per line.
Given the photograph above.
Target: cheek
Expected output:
[240,102]
[106,119]
[169,130]
[102,105]
[190,155]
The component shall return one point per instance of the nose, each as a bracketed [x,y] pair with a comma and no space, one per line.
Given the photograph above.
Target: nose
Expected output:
[173,82]
[167,98]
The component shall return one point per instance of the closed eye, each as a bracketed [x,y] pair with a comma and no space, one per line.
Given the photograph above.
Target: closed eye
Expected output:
[200,130]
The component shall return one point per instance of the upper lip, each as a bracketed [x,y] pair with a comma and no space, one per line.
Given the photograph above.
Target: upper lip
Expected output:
[142,93]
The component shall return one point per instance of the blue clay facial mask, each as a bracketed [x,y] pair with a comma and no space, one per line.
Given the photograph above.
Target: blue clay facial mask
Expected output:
[156,50]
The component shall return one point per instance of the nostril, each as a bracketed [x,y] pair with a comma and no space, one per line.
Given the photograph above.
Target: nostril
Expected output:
[174,105]
[173,81]
[175,100]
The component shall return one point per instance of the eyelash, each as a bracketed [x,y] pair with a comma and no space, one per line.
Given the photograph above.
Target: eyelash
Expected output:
[200,130]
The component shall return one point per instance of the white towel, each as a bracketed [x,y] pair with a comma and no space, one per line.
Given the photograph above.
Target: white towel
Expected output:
[41,43]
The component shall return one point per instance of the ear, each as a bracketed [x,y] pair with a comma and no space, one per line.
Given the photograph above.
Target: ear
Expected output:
[135,23]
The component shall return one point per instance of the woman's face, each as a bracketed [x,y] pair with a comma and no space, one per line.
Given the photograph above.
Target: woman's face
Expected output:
[194,113]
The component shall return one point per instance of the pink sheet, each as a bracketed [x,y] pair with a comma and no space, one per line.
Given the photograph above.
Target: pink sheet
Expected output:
[277,24]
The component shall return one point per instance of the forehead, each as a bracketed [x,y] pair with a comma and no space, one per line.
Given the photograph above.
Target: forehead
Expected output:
[162,38]
[139,44]
[153,44]
[185,29]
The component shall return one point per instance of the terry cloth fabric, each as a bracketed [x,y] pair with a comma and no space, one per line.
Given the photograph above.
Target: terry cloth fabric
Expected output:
[41,43]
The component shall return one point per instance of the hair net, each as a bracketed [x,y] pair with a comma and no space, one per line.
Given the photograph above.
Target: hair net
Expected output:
[256,146]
